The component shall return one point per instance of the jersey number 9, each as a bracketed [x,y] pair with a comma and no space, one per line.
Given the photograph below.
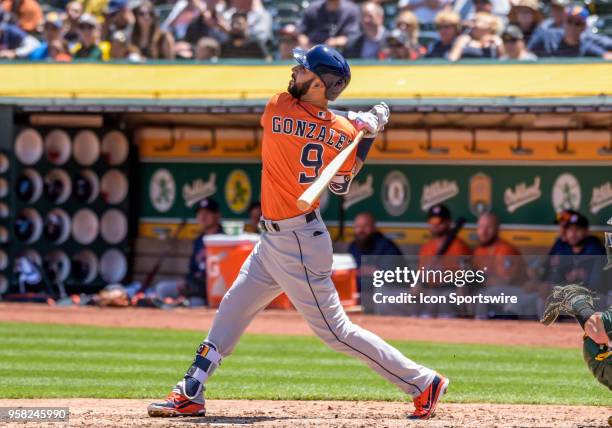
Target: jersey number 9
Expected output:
[312,157]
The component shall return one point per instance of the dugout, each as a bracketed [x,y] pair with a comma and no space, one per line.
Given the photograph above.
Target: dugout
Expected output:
[113,155]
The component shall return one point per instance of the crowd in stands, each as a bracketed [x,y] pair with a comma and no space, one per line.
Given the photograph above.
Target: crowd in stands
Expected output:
[205,30]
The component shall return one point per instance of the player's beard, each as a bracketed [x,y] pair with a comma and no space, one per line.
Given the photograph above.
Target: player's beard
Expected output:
[298,91]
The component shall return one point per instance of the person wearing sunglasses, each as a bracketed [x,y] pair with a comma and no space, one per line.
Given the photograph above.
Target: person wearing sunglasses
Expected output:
[89,39]
[526,15]
[448,28]
[482,41]
[572,40]
[148,37]
[514,45]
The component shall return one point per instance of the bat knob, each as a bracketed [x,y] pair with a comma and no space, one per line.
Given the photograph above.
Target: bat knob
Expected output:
[303,205]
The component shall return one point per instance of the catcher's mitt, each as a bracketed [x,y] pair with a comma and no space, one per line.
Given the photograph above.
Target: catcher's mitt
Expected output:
[565,298]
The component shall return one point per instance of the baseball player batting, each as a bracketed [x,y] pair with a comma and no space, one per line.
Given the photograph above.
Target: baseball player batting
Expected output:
[294,256]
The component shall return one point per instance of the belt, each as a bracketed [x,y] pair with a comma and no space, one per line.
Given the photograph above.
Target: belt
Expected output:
[289,224]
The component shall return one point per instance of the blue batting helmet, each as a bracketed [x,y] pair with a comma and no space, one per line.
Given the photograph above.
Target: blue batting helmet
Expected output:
[329,65]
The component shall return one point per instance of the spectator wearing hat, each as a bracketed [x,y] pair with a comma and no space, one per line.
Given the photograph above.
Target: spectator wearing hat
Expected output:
[526,15]
[572,40]
[122,49]
[148,37]
[467,9]
[481,42]
[557,15]
[240,44]
[89,39]
[369,43]
[448,28]
[288,39]
[193,287]
[27,13]
[259,20]
[560,245]
[397,46]
[442,252]
[333,22]
[15,43]
[514,45]
[52,32]
[440,223]
[118,17]
[570,263]
[425,10]
[207,49]
[74,10]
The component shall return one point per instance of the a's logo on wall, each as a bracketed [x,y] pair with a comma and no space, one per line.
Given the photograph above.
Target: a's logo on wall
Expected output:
[601,197]
[238,191]
[199,189]
[359,191]
[481,194]
[438,192]
[566,193]
[162,190]
[522,194]
[396,193]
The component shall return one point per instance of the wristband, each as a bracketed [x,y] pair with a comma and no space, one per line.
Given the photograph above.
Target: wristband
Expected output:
[364,147]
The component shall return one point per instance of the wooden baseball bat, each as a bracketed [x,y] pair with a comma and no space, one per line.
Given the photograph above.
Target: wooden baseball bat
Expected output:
[313,192]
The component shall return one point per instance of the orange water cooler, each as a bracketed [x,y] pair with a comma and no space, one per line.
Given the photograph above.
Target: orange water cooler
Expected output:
[225,255]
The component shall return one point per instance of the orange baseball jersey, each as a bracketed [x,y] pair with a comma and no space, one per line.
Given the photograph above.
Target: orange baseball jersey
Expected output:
[502,260]
[299,139]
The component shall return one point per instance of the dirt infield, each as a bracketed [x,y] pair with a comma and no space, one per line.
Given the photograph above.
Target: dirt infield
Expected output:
[261,413]
[564,335]
[132,413]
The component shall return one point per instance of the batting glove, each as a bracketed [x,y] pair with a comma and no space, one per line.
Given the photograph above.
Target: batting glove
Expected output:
[366,121]
[382,114]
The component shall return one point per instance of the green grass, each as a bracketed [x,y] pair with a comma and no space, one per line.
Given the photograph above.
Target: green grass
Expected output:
[43,360]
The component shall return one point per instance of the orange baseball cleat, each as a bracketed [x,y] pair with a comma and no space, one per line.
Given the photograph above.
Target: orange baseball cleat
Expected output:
[176,404]
[425,404]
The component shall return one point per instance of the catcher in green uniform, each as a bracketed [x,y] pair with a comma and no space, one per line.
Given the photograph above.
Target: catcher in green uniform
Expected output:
[578,302]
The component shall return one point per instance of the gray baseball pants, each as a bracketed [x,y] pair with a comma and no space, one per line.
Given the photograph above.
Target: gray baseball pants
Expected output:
[295,257]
